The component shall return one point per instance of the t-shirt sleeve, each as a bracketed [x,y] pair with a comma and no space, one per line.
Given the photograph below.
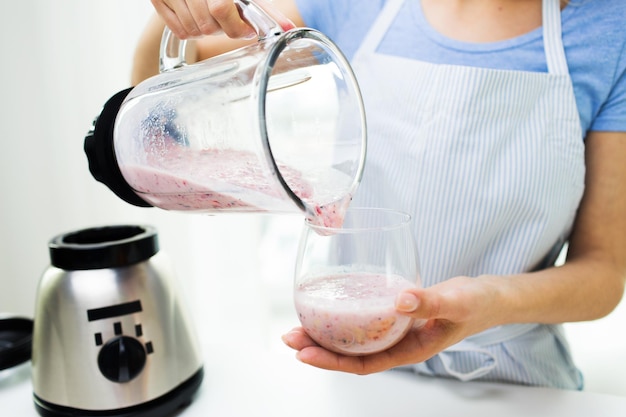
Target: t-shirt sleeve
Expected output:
[345,22]
[611,114]
[322,14]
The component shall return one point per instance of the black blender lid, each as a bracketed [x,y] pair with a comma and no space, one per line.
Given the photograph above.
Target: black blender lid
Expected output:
[103,247]
[16,336]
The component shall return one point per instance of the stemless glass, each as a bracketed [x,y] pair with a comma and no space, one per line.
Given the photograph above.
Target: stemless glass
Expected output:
[347,279]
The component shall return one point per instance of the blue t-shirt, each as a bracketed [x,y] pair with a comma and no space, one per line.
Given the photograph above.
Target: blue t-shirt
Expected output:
[594,37]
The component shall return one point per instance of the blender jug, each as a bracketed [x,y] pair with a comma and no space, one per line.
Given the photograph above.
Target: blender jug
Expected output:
[276,126]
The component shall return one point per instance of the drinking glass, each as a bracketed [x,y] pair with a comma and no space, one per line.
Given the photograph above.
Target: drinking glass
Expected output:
[347,279]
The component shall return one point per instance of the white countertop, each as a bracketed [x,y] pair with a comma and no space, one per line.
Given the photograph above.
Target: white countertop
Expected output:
[250,373]
[267,383]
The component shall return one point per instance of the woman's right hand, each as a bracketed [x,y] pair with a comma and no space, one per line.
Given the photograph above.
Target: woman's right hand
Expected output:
[195,18]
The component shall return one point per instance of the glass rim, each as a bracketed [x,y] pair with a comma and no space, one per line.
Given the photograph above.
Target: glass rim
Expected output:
[400,220]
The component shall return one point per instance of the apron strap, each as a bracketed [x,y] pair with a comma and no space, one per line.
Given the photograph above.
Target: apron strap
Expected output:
[447,359]
[487,361]
[378,31]
[553,38]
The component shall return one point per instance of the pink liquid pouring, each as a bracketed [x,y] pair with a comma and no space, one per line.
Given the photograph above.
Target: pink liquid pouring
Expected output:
[212,179]
[352,313]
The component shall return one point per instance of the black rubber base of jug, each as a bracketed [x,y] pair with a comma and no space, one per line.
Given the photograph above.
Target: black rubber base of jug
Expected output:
[101,154]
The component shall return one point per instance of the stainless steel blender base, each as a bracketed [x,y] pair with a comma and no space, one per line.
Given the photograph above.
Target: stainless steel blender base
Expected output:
[163,406]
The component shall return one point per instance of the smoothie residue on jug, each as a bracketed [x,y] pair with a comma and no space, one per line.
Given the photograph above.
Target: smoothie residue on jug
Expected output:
[226,179]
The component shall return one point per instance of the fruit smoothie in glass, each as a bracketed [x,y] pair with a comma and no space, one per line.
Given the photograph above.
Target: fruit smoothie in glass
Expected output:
[352,313]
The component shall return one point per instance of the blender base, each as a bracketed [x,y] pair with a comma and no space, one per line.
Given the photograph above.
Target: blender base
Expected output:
[163,406]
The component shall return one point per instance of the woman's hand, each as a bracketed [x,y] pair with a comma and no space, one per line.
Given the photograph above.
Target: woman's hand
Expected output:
[195,18]
[445,314]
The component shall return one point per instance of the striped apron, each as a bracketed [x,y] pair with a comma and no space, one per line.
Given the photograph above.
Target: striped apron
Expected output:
[490,163]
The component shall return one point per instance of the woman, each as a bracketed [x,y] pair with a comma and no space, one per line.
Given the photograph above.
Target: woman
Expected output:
[500,125]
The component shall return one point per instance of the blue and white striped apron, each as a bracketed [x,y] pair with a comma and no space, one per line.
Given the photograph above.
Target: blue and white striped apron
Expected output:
[490,163]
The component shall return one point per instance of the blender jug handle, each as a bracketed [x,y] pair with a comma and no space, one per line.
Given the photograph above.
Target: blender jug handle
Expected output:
[172,52]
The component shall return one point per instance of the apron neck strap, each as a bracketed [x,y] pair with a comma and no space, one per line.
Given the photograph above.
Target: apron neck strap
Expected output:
[553,38]
[381,24]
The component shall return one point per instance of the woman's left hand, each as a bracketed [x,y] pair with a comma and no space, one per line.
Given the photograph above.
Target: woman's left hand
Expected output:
[444,314]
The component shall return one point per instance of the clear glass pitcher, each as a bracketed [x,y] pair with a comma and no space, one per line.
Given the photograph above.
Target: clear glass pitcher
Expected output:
[276,126]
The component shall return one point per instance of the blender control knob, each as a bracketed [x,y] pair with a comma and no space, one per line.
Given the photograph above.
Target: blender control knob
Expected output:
[122,359]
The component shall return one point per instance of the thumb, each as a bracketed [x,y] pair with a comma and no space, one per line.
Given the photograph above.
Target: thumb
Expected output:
[417,303]
[407,302]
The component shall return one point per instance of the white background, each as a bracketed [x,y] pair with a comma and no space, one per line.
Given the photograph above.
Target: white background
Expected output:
[59,62]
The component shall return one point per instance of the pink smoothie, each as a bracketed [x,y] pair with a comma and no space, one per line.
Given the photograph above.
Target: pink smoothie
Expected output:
[212,179]
[352,313]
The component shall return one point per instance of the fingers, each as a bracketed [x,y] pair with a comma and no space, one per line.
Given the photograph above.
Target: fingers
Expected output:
[226,14]
[298,339]
[313,354]
[194,18]
[170,19]
[325,359]
[285,23]
[202,19]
